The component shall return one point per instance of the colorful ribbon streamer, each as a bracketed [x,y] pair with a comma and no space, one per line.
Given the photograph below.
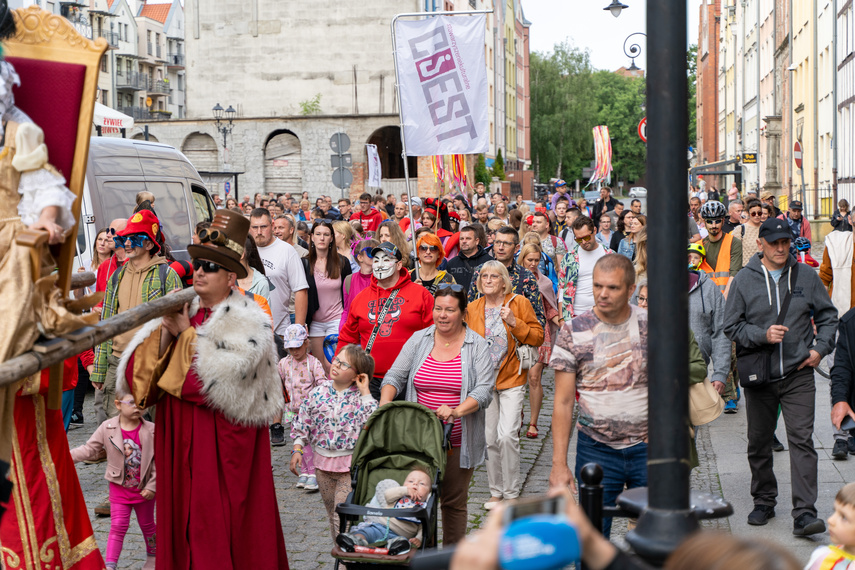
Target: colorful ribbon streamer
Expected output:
[603,153]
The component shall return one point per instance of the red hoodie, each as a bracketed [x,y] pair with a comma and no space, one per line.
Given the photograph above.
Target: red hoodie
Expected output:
[412,311]
[370,221]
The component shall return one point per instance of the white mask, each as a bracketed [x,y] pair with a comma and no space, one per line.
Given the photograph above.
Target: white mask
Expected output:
[383,265]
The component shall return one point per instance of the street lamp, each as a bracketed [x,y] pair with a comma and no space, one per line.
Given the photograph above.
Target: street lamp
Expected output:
[226,129]
[633,50]
[616,7]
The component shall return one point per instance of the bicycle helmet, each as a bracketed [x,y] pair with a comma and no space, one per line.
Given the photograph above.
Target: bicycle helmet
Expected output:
[802,244]
[712,210]
[698,248]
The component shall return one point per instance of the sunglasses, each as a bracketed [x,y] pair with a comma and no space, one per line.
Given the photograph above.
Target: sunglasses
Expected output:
[430,248]
[206,266]
[755,214]
[111,231]
[584,239]
[136,240]
[456,287]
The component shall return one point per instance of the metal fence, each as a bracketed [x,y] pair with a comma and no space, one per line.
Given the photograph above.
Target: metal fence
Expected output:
[817,202]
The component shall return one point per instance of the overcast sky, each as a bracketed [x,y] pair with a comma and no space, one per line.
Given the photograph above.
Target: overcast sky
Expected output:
[587,25]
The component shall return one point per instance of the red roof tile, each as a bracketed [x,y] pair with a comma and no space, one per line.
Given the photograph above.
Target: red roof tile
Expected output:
[157,12]
[110,3]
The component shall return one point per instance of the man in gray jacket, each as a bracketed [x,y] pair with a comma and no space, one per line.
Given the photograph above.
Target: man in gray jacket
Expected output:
[753,305]
[706,319]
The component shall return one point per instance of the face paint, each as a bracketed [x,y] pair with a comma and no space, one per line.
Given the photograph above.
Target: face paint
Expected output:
[383,265]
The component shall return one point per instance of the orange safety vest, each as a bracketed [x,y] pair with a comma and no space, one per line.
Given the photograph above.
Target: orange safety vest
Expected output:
[721,274]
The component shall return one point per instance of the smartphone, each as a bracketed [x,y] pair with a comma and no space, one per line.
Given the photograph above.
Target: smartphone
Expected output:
[848,423]
[522,508]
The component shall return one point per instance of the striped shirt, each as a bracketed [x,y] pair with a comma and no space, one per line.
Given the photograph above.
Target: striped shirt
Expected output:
[439,383]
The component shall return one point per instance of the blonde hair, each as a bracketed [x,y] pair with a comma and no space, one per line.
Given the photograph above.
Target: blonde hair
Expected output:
[495,224]
[396,236]
[143,196]
[641,253]
[499,268]
[846,495]
[527,249]
[531,238]
[345,229]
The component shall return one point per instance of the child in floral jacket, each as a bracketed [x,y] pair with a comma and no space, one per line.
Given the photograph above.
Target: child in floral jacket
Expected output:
[330,420]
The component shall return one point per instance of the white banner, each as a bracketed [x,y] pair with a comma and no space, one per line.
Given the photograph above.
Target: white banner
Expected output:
[443,84]
[375,171]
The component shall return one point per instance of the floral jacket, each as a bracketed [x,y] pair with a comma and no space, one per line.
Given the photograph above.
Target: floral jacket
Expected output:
[299,378]
[332,421]
[568,276]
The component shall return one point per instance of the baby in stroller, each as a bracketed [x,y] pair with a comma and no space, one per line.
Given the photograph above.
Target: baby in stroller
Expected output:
[397,533]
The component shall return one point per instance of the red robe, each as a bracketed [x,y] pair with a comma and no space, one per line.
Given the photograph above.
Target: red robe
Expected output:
[216,501]
[47,523]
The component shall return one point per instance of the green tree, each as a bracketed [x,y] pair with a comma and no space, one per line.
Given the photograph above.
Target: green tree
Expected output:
[692,66]
[499,166]
[620,106]
[482,174]
[563,111]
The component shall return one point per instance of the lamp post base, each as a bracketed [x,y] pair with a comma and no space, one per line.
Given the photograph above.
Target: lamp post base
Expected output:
[660,532]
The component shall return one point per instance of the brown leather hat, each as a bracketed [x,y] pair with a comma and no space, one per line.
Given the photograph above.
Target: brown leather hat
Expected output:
[223,242]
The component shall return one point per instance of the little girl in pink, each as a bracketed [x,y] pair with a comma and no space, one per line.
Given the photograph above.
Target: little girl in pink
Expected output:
[301,373]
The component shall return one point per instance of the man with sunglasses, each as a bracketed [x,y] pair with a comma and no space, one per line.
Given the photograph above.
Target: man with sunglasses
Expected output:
[724,254]
[576,270]
[211,370]
[144,277]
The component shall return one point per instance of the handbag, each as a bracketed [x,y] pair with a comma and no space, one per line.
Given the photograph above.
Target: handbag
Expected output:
[526,354]
[705,404]
[754,365]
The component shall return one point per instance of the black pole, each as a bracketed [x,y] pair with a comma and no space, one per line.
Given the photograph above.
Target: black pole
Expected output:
[145,132]
[668,518]
[591,495]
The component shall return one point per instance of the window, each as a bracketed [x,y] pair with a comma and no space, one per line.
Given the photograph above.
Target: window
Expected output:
[202,203]
[127,37]
[104,63]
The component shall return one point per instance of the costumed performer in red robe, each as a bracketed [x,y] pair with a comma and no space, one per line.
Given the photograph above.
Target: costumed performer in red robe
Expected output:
[211,371]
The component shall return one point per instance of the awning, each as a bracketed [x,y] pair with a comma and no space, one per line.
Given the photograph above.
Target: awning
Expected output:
[110,120]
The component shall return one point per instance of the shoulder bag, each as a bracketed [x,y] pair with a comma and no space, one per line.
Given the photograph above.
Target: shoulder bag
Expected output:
[526,354]
[755,364]
[380,318]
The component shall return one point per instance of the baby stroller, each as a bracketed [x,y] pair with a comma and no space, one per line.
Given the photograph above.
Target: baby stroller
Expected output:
[396,437]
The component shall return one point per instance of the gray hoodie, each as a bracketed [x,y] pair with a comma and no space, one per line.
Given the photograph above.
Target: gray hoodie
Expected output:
[706,319]
[753,305]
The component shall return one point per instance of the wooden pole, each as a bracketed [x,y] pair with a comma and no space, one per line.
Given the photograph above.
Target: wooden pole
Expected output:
[55,351]
[82,279]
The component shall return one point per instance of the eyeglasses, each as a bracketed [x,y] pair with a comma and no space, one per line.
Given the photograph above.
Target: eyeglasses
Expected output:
[428,248]
[504,243]
[206,266]
[642,300]
[341,364]
[584,239]
[129,403]
[456,287]
[756,214]
[135,240]
[714,221]
[489,276]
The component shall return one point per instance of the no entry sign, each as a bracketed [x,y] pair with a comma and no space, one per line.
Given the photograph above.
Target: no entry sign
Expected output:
[797,153]
[642,129]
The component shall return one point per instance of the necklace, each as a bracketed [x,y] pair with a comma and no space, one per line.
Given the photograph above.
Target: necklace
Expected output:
[447,344]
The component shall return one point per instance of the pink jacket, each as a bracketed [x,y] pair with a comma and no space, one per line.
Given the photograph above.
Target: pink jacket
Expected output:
[108,437]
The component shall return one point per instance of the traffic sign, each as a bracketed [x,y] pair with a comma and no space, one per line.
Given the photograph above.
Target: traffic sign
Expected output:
[341,178]
[339,143]
[228,186]
[345,160]
[797,153]
[642,129]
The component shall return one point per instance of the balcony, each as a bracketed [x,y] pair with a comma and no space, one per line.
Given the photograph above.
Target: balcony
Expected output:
[150,50]
[131,81]
[175,60]
[160,115]
[112,39]
[159,88]
[158,51]
[138,113]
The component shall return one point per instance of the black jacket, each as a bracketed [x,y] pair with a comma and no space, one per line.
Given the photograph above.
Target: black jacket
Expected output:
[601,208]
[314,303]
[843,371]
[462,267]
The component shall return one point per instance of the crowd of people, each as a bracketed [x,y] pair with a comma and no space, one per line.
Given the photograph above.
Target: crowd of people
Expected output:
[461,313]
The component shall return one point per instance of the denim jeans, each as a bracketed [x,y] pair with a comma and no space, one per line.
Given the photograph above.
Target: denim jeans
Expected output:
[621,468]
[373,532]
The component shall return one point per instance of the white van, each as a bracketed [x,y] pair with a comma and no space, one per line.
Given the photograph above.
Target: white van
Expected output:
[120,168]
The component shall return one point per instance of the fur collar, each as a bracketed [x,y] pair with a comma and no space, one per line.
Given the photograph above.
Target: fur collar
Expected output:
[235,360]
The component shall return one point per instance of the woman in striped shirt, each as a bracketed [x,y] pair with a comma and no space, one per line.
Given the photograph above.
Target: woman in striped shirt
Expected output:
[447,368]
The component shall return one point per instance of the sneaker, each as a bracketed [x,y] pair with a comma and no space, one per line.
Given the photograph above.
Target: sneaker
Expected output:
[311,483]
[776,444]
[103,510]
[301,482]
[398,545]
[761,515]
[76,419]
[277,435]
[730,407]
[347,541]
[850,445]
[807,524]
[490,505]
[840,450]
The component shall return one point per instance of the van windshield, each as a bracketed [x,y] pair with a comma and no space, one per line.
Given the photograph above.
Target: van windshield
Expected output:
[118,199]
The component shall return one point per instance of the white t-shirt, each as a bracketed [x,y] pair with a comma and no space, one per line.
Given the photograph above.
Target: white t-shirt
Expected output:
[585,284]
[285,270]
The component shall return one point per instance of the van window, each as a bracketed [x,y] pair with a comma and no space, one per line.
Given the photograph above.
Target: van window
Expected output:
[118,200]
[81,237]
[204,205]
